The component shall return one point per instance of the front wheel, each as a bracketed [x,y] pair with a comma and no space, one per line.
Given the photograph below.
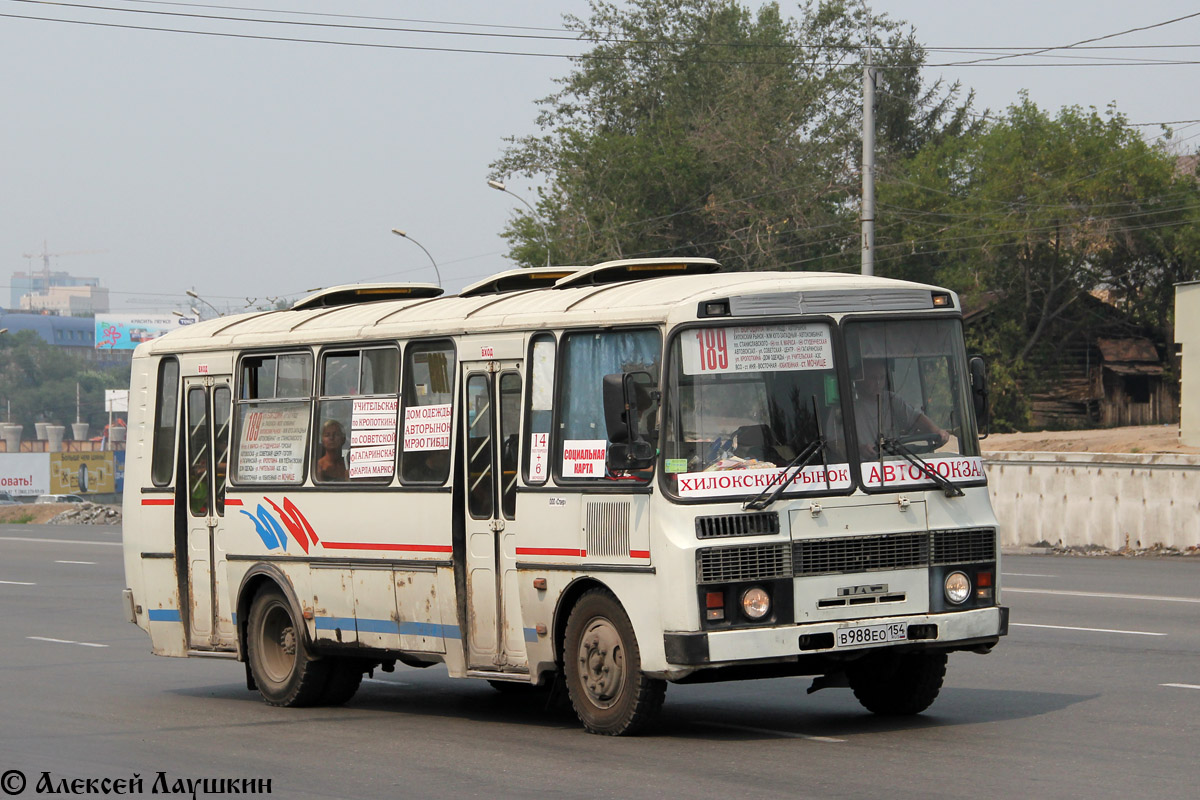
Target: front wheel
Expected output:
[897,684]
[284,671]
[603,666]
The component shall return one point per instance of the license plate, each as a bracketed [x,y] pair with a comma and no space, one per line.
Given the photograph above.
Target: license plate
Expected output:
[871,634]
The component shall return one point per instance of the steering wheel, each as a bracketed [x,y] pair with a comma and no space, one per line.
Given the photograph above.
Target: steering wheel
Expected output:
[920,442]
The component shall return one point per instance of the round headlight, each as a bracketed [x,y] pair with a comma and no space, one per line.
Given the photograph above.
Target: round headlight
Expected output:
[958,587]
[756,603]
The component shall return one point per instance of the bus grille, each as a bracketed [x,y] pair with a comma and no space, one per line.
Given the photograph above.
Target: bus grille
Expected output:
[762,523]
[606,527]
[860,553]
[750,563]
[964,546]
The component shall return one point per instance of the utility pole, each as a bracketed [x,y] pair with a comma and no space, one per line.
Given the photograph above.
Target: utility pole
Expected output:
[868,159]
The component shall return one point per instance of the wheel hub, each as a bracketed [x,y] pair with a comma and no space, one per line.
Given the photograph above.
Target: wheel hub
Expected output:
[601,663]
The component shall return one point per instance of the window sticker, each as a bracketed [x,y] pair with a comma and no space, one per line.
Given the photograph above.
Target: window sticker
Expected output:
[373,438]
[676,465]
[427,427]
[902,473]
[774,348]
[739,482]
[584,458]
[271,444]
[539,457]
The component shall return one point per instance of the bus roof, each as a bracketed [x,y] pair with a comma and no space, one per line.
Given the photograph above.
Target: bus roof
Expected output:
[658,298]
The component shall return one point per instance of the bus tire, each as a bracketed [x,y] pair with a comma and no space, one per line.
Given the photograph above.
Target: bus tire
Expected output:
[345,676]
[897,684]
[603,666]
[284,671]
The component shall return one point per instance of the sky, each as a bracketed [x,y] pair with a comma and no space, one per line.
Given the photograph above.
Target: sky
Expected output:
[247,169]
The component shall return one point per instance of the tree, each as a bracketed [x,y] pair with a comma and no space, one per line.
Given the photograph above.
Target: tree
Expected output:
[696,127]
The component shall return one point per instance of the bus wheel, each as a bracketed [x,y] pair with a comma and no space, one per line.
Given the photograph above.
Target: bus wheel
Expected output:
[897,684]
[345,676]
[285,673]
[603,668]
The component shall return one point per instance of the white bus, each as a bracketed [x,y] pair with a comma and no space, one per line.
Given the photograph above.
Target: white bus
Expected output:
[602,479]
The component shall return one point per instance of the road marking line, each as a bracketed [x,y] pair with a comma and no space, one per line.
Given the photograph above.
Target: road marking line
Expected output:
[768,731]
[1181,685]
[1089,630]
[74,562]
[1025,575]
[18,583]
[56,541]
[1111,595]
[389,683]
[64,641]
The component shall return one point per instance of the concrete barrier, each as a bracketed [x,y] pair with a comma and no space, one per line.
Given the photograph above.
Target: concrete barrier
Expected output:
[1112,500]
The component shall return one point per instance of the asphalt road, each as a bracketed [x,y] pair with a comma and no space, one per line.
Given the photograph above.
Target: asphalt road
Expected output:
[1096,692]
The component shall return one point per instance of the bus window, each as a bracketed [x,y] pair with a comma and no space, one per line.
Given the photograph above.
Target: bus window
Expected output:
[587,358]
[428,406]
[541,408]
[355,437]
[199,481]
[162,463]
[480,481]
[221,409]
[272,418]
[510,415]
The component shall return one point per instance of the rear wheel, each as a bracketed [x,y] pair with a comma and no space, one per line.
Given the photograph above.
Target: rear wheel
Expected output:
[284,671]
[897,684]
[603,668]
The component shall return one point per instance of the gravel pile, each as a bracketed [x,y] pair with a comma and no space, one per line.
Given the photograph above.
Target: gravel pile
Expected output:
[89,514]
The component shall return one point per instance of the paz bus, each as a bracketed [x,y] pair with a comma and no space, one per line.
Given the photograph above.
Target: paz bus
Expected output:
[600,479]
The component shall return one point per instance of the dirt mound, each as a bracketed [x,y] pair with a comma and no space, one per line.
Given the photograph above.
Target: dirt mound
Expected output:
[1139,439]
[64,513]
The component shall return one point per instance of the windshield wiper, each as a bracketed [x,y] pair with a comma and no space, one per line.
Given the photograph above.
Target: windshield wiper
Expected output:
[802,460]
[897,448]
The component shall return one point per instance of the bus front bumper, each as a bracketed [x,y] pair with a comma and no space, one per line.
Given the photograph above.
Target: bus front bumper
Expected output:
[957,630]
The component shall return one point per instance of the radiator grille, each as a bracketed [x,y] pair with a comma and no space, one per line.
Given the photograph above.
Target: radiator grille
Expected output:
[751,563]
[964,546]
[765,522]
[860,553]
[606,527]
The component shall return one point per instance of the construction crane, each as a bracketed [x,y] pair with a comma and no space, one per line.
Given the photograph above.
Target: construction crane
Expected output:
[46,255]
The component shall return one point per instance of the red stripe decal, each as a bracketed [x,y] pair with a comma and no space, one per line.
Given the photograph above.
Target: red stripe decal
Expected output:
[158,501]
[639,553]
[550,551]
[233,501]
[404,548]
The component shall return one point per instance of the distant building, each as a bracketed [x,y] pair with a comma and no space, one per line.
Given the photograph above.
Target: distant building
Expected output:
[76,301]
[75,334]
[42,281]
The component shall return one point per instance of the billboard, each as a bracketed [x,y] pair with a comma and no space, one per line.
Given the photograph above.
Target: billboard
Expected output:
[82,473]
[127,331]
[25,474]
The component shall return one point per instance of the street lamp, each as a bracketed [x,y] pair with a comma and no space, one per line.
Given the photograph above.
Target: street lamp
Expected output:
[404,235]
[500,187]
[192,294]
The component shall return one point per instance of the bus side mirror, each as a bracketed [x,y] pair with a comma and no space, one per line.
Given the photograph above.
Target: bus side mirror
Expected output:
[628,448]
[979,394]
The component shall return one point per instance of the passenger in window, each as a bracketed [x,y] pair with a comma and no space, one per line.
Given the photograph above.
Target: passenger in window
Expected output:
[332,465]
[873,400]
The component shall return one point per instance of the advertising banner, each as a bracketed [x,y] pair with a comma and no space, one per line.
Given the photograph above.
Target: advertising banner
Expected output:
[82,473]
[761,348]
[127,331]
[25,474]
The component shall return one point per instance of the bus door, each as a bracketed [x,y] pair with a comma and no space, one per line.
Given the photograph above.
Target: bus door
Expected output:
[207,402]
[491,433]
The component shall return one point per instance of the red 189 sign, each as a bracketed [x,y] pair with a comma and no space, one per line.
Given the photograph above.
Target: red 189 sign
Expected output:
[714,352]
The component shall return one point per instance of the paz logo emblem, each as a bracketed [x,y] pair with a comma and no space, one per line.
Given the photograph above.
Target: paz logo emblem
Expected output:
[865,589]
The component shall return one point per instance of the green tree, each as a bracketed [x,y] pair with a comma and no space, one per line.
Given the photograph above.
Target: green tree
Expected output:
[698,127]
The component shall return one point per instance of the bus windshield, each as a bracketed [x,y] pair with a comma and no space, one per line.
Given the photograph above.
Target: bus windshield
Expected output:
[746,401]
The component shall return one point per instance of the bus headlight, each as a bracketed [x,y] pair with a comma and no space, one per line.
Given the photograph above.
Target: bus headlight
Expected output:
[756,603]
[958,587]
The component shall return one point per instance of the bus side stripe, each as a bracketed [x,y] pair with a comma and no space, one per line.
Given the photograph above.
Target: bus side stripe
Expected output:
[639,553]
[406,628]
[406,548]
[551,551]
[158,501]
[164,615]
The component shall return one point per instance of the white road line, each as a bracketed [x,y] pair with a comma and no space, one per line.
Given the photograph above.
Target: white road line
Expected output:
[18,583]
[56,541]
[1110,595]
[64,641]
[1181,685]
[769,732]
[74,562]
[1025,575]
[389,683]
[1089,630]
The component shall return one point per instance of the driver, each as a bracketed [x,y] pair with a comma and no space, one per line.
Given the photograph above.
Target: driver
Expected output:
[873,398]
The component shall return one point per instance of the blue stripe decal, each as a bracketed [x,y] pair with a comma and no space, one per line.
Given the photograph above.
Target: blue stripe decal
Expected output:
[531,634]
[164,615]
[389,626]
